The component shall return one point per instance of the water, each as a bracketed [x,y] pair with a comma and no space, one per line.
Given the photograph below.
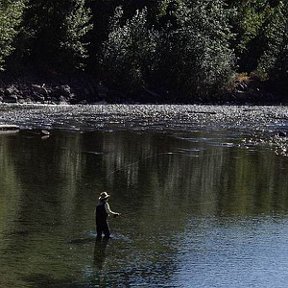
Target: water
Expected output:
[199,209]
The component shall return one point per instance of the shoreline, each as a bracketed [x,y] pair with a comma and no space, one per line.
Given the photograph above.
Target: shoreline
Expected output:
[257,125]
[83,89]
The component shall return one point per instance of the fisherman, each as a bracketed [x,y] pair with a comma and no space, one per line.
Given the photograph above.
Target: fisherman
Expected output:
[102,212]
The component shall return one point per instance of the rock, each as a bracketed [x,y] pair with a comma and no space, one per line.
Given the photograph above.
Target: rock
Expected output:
[64,90]
[100,103]
[45,132]
[36,132]
[12,90]
[28,100]
[38,97]
[40,90]
[21,101]
[282,134]
[74,100]
[10,99]
[83,102]
[11,95]
[62,100]
[5,129]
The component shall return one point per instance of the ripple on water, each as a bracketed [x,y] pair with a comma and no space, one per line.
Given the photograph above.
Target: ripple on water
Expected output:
[233,253]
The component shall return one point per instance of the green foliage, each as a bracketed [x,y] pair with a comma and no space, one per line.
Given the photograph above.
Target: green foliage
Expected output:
[75,27]
[252,25]
[55,33]
[10,18]
[188,47]
[273,64]
[128,56]
[195,47]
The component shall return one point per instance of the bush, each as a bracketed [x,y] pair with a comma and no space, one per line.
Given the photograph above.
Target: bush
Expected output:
[273,64]
[129,54]
[10,18]
[196,58]
[54,34]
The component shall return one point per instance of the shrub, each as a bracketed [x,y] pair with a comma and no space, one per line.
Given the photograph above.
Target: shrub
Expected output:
[196,56]
[10,18]
[129,54]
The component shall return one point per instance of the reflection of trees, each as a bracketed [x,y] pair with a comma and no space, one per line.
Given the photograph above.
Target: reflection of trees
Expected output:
[125,152]
[212,179]
[47,172]
[155,169]
[156,181]
[254,183]
[9,188]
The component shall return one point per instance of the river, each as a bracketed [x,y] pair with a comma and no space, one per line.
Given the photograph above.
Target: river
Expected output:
[202,192]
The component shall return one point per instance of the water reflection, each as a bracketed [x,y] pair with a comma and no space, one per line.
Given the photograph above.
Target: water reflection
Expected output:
[100,252]
[160,183]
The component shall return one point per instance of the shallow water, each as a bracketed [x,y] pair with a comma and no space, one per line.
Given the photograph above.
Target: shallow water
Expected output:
[199,208]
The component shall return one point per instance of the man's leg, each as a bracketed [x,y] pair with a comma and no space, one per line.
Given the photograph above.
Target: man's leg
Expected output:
[106,231]
[99,230]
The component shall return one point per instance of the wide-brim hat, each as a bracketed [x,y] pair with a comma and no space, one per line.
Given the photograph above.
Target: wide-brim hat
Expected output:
[104,195]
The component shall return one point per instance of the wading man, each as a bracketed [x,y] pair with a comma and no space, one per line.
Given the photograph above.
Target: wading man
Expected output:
[102,212]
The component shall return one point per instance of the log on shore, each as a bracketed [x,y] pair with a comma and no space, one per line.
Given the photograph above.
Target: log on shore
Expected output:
[7,129]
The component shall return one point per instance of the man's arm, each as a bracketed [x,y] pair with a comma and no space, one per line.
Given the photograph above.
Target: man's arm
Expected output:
[109,211]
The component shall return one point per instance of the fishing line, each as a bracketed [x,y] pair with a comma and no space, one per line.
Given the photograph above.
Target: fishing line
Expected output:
[207,202]
[138,161]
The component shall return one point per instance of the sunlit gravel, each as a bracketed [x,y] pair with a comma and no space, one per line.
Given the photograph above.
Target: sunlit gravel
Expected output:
[268,124]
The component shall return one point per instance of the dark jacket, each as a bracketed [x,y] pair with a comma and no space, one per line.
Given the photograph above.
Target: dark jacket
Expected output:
[101,214]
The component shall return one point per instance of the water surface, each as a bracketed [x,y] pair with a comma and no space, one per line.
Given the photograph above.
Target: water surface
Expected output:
[199,209]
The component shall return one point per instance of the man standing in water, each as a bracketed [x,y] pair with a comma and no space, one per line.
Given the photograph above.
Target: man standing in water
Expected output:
[102,212]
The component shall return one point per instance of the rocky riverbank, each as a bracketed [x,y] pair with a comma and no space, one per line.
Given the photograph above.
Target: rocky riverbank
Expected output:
[58,89]
[86,89]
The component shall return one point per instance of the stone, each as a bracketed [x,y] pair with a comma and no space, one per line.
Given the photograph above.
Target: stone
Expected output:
[11,90]
[40,89]
[38,97]
[282,134]
[83,102]
[64,90]
[62,100]
[10,99]
[28,100]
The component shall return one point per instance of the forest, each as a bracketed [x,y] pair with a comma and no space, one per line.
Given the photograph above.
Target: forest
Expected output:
[176,51]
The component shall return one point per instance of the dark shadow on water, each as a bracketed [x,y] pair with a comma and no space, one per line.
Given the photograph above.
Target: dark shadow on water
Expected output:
[80,241]
[100,252]
[48,281]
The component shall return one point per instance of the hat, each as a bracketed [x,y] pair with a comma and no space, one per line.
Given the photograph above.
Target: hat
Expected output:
[104,196]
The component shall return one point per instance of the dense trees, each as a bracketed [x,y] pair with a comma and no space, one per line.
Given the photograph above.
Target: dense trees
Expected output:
[55,33]
[190,49]
[195,55]
[10,17]
[129,54]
